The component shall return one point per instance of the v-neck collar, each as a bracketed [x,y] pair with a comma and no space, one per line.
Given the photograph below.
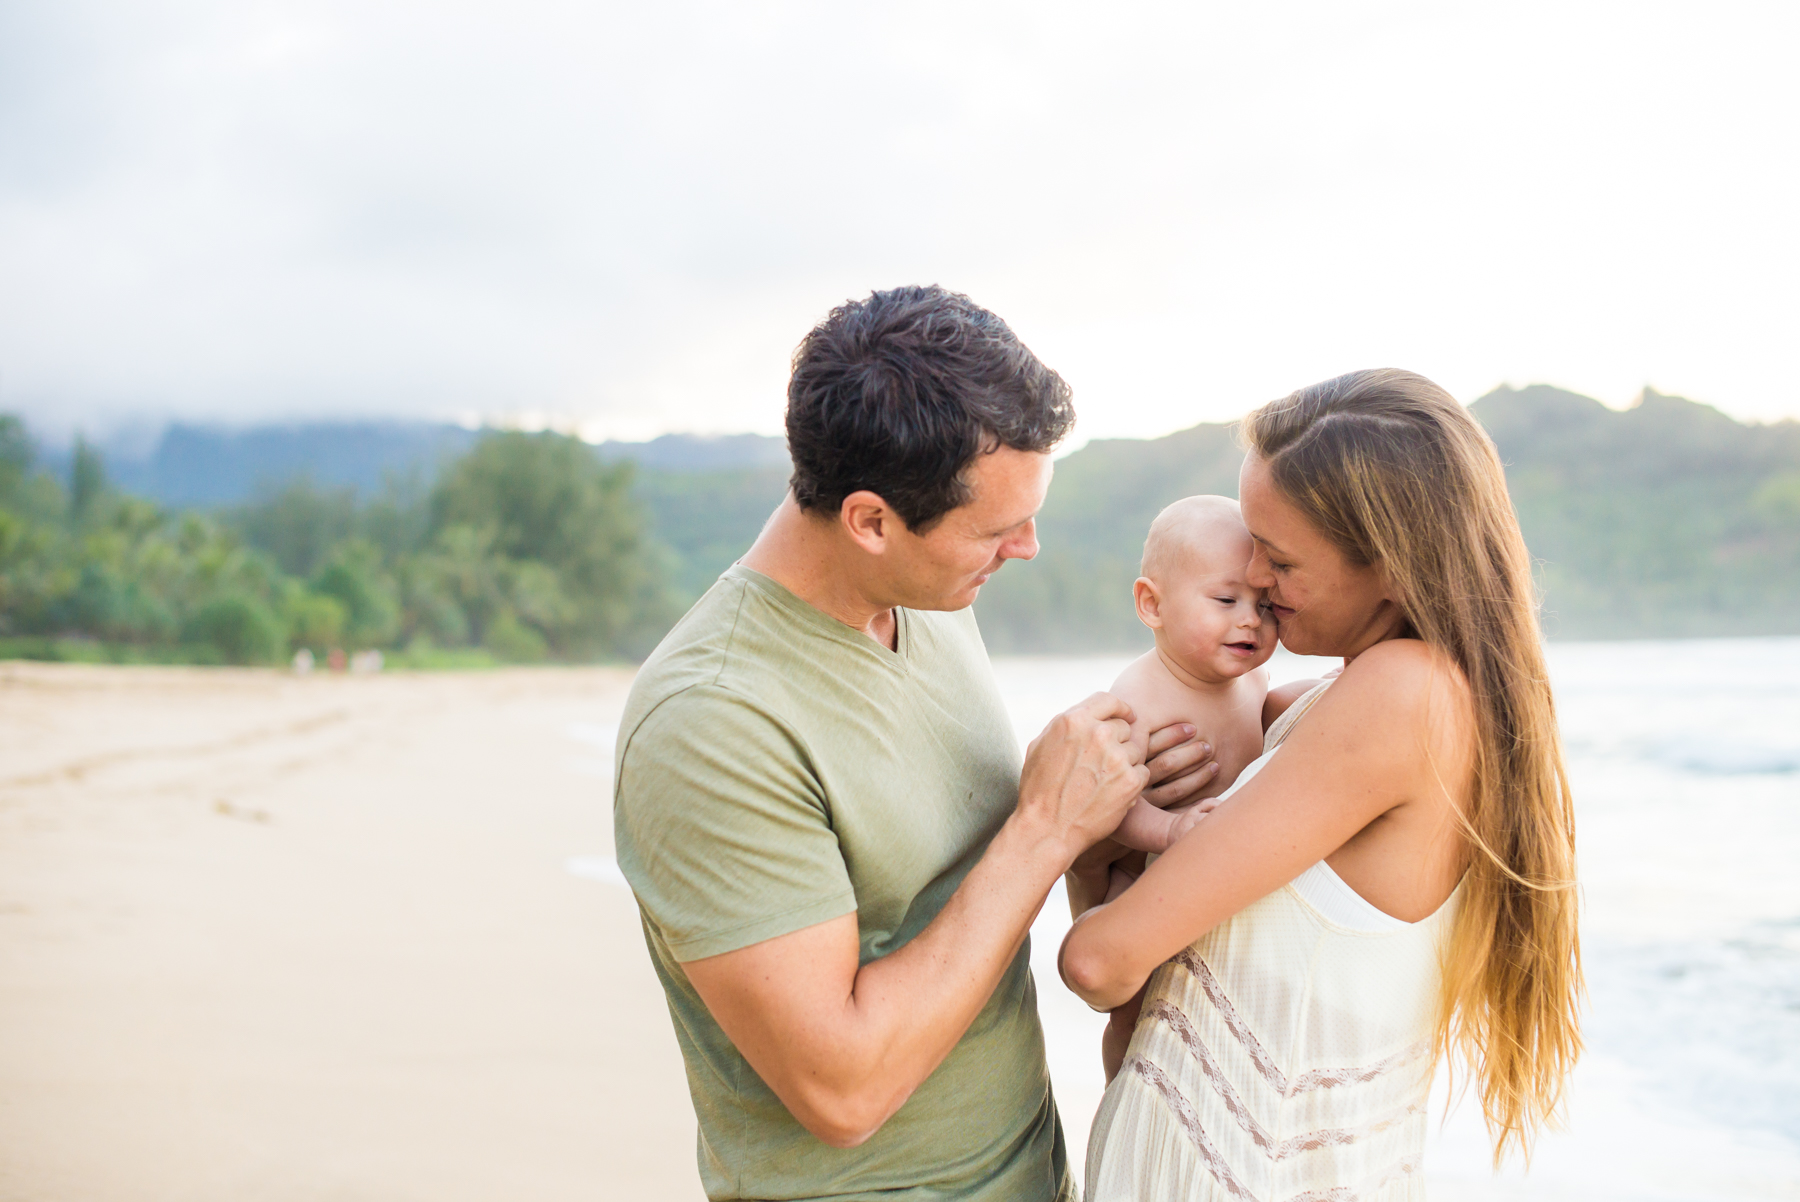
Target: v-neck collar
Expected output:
[785,599]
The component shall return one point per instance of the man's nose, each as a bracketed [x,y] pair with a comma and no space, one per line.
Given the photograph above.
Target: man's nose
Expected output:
[1023,545]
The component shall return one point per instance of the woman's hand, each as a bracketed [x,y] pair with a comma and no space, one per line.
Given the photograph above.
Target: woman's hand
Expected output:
[1181,765]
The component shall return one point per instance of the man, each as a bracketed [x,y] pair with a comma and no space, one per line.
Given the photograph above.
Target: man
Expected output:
[819,800]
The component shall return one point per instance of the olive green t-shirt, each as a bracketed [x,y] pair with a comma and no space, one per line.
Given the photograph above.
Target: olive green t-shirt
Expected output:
[777,769]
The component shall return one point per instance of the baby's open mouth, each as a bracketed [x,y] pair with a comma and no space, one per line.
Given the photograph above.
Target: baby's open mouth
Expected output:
[1246,647]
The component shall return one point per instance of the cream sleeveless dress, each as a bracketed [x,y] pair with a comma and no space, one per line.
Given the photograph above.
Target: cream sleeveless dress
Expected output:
[1284,1057]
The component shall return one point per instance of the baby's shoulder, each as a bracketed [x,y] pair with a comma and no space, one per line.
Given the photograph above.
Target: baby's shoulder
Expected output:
[1142,674]
[1153,693]
[1244,696]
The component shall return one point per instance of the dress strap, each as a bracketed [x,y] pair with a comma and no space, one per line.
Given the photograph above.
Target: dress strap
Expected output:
[1283,726]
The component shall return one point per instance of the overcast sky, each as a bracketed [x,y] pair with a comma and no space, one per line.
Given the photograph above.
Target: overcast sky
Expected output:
[627,216]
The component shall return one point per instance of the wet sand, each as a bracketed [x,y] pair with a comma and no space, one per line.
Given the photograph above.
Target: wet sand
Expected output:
[268,938]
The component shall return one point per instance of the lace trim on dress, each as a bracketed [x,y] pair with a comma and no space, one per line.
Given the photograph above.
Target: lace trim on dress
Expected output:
[1319,1078]
[1176,1021]
[1184,1114]
[1190,1122]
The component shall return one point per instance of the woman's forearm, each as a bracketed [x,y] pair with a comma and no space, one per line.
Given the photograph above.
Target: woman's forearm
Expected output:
[1353,759]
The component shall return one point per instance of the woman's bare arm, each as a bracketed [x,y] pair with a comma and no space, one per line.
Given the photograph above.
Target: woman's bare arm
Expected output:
[1362,753]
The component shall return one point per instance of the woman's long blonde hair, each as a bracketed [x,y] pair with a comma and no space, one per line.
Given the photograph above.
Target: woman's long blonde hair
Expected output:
[1395,473]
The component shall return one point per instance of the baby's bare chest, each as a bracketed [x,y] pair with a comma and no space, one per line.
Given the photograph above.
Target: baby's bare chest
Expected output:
[1233,725]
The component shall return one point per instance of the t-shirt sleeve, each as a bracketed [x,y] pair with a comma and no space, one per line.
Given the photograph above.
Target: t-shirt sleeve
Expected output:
[722,828]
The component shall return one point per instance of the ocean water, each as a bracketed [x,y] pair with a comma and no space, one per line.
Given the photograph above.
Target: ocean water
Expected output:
[1684,758]
[1685,763]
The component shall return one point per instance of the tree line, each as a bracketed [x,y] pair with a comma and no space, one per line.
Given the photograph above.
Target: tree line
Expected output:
[524,549]
[1665,520]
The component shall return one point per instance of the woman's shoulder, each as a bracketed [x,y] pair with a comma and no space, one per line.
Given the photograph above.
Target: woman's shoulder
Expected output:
[1405,663]
[1406,683]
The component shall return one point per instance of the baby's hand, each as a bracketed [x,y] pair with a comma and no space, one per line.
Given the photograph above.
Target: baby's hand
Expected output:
[1187,818]
[1145,828]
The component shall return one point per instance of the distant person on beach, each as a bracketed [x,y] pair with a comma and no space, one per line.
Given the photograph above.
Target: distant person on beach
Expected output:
[820,802]
[1393,879]
[1213,636]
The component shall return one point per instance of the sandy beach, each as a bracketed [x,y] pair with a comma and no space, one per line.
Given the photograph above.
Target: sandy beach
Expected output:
[271,937]
[265,937]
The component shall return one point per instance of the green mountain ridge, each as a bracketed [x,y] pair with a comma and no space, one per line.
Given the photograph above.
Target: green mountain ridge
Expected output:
[1665,519]
[1668,519]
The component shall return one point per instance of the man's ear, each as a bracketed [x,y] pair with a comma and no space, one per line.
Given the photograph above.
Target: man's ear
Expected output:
[1149,602]
[868,521]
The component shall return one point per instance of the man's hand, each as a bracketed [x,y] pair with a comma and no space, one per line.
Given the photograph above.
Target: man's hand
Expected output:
[1180,765]
[844,1044]
[1080,776]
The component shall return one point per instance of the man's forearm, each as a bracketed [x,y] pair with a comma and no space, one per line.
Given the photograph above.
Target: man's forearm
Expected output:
[906,1011]
[845,1044]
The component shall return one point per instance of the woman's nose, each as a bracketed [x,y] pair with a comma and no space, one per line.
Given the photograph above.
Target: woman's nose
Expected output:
[1257,574]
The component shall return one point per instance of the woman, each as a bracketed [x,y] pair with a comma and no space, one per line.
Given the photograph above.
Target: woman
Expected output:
[1397,882]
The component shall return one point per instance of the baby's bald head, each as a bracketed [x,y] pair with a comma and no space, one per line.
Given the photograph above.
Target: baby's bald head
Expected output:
[1204,533]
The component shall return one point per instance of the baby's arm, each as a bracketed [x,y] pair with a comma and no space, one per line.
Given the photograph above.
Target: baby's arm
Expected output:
[1146,828]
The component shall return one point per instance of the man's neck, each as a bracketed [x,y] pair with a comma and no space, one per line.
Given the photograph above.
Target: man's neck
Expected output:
[803,555]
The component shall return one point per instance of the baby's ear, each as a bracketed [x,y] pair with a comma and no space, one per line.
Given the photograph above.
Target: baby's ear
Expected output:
[1149,602]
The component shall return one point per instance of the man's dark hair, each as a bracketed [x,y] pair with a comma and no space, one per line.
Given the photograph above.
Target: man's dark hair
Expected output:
[899,392]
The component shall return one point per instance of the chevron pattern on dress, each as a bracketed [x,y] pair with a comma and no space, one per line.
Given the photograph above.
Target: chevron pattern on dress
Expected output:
[1190,1122]
[1184,1113]
[1310,1141]
[1319,1078]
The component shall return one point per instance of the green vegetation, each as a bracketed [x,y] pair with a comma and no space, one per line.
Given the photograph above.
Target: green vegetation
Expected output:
[704,520]
[527,548]
[1076,595]
[1668,519]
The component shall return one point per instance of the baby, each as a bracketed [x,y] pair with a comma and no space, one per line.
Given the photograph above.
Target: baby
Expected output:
[1213,636]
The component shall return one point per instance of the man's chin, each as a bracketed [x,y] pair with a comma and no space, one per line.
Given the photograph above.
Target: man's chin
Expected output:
[951,602]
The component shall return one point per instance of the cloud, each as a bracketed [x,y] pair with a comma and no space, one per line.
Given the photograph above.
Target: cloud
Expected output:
[630,214]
